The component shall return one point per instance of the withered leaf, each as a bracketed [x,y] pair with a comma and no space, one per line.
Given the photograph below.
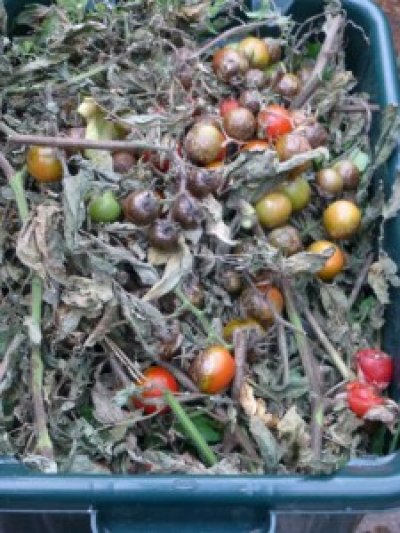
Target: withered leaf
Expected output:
[40,243]
[178,265]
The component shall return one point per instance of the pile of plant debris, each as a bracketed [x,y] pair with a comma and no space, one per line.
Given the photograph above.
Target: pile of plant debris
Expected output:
[165,306]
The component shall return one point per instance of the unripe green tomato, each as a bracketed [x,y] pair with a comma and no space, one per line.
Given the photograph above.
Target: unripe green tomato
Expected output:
[298,191]
[104,208]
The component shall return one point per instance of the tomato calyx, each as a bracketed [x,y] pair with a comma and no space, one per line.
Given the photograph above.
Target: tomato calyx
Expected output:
[374,367]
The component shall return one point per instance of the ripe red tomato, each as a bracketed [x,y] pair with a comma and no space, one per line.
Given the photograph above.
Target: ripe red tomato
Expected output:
[375,367]
[362,397]
[213,369]
[156,380]
[274,121]
[227,105]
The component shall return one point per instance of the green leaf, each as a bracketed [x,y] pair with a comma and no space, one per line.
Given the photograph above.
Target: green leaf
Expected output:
[313,49]
[208,428]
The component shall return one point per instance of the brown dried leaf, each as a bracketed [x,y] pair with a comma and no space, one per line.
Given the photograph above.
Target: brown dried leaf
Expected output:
[40,243]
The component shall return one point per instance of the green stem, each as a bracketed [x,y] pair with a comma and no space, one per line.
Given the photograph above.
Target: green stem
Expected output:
[44,445]
[17,185]
[205,324]
[190,429]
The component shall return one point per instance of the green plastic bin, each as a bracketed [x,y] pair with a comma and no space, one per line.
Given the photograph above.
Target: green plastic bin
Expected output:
[240,503]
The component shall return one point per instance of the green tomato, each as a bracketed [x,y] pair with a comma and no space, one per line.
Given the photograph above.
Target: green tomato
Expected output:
[104,208]
[298,191]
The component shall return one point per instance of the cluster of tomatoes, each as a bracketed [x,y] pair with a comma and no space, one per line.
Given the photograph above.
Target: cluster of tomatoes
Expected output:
[244,124]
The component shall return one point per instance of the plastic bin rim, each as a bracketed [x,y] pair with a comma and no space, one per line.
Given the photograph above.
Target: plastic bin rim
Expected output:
[364,486]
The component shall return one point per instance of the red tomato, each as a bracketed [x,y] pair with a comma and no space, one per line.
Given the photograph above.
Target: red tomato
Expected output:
[274,121]
[362,397]
[156,380]
[227,105]
[375,367]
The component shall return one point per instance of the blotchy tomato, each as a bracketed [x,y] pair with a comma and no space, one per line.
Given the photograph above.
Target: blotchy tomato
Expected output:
[43,164]
[375,367]
[240,324]
[274,121]
[213,369]
[362,397]
[227,105]
[156,380]
[334,265]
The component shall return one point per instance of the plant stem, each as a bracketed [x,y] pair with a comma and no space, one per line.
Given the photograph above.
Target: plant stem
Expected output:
[359,282]
[324,57]
[68,142]
[44,446]
[190,430]
[310,370]
[207,327]
[240,345]
[17,185]
[326,343]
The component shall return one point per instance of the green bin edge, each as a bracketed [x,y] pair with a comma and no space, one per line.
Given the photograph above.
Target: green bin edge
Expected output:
[363,485]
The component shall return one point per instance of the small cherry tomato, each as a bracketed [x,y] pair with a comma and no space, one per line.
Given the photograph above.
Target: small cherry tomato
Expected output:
[341,219]
[298,191]
[273,210]
[227,105]
[375,367]
[362,397]
[240,324]
[155,381]
[229,64]
[204,143]
[288,86]
[287,239]
[43,164]
[240,124]
[256,303]
[291,144]
[213,369]
[334,265]
[349,173]
[256,52]
[104,208]
[330,181]
[274,121]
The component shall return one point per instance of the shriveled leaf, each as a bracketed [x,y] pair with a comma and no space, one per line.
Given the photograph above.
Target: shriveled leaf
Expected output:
[266,442]
[215,223]
[178,265]
[87,294]
[392,206]
[40,243]
[381,275]
[75,188]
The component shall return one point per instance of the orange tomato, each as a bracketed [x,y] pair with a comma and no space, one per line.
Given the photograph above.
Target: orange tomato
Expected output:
[213,369]
[334,265]
[43,164]
[256,145]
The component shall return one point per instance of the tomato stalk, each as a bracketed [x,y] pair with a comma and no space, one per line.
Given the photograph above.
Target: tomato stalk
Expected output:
[200,315]
[44,444]
[347,374]
[310,370]
[190,429]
